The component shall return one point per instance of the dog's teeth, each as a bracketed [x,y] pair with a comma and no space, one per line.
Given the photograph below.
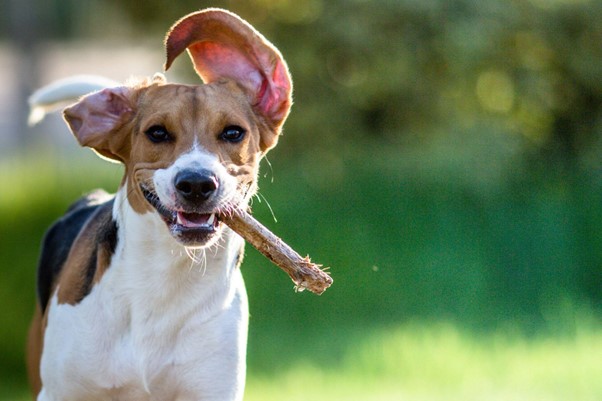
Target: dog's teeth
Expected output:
[211,219]
[179,218]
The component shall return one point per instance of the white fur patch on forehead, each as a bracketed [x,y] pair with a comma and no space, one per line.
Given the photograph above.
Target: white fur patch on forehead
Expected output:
[197,158]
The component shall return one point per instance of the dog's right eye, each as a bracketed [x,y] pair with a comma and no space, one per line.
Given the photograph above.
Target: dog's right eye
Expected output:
[233,134]
[158,134]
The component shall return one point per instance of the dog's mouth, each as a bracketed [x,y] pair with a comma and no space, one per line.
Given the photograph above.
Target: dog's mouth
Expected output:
[191,228]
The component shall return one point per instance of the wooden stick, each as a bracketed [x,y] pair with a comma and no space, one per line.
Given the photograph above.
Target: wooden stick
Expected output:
[304,273]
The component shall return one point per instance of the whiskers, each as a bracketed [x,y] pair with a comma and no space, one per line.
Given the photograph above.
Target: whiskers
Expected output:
[271,170]
[228,209]
[259,197]
[198,257]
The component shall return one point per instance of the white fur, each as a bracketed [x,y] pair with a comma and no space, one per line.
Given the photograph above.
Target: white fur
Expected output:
[159,326]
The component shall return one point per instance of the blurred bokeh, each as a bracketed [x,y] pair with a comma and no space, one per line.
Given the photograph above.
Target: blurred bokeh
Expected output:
[442,157]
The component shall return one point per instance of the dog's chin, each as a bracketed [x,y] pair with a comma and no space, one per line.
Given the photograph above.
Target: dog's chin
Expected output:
[191,229]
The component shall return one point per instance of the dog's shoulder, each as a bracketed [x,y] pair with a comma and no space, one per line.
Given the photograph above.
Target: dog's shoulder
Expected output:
[59,239]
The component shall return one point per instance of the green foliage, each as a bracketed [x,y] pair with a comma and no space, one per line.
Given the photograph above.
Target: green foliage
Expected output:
[405,72]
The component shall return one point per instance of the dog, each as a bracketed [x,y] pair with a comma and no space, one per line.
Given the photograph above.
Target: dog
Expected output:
[140,295]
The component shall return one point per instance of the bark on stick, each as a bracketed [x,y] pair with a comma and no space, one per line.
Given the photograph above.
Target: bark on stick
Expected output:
[304,273]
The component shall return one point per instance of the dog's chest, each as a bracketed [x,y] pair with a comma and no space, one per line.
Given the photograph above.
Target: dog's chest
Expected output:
[159,325]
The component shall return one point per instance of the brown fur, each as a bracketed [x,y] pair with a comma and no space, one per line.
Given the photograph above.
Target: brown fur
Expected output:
[89,258]
[35,340]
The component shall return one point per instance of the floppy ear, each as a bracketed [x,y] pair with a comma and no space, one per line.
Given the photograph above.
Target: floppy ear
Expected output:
[96,121]
[222,45]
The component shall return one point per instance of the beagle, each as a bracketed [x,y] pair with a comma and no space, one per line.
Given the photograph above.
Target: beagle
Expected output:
[140,295]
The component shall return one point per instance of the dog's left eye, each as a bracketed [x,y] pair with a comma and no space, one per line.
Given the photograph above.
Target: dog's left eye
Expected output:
[232,133]
[158,134]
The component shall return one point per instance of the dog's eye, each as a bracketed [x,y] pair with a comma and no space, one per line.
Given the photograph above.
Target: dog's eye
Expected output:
[232,133]
[158,134]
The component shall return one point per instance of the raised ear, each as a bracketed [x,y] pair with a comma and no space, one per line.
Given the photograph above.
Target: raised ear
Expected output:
[97,118]
[222,45]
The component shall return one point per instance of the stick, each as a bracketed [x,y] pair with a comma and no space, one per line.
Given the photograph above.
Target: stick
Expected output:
[302,271]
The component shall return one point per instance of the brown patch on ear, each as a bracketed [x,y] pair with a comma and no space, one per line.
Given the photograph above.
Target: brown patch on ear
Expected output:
[89,258]
[35,341]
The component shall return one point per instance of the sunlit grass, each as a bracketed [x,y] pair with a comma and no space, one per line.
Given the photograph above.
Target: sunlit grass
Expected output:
[441,363]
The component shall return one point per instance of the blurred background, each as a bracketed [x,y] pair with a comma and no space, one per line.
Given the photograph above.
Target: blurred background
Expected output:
[442,157]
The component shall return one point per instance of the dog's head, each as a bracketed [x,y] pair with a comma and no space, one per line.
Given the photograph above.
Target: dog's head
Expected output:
[191,152]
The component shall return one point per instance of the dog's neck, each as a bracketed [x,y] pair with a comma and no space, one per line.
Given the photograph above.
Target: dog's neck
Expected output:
[157,273]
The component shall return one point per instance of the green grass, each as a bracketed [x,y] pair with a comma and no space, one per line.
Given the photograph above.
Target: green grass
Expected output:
[438,362]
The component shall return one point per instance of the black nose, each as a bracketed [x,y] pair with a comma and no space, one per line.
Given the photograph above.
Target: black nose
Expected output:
[195,186]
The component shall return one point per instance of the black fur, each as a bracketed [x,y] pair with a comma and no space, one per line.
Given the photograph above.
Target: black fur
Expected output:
[60,237]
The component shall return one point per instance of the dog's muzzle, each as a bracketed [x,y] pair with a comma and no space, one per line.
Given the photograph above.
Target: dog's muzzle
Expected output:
[193,221]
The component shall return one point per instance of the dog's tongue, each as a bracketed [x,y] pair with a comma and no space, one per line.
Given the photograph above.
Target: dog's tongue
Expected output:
[193,220]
